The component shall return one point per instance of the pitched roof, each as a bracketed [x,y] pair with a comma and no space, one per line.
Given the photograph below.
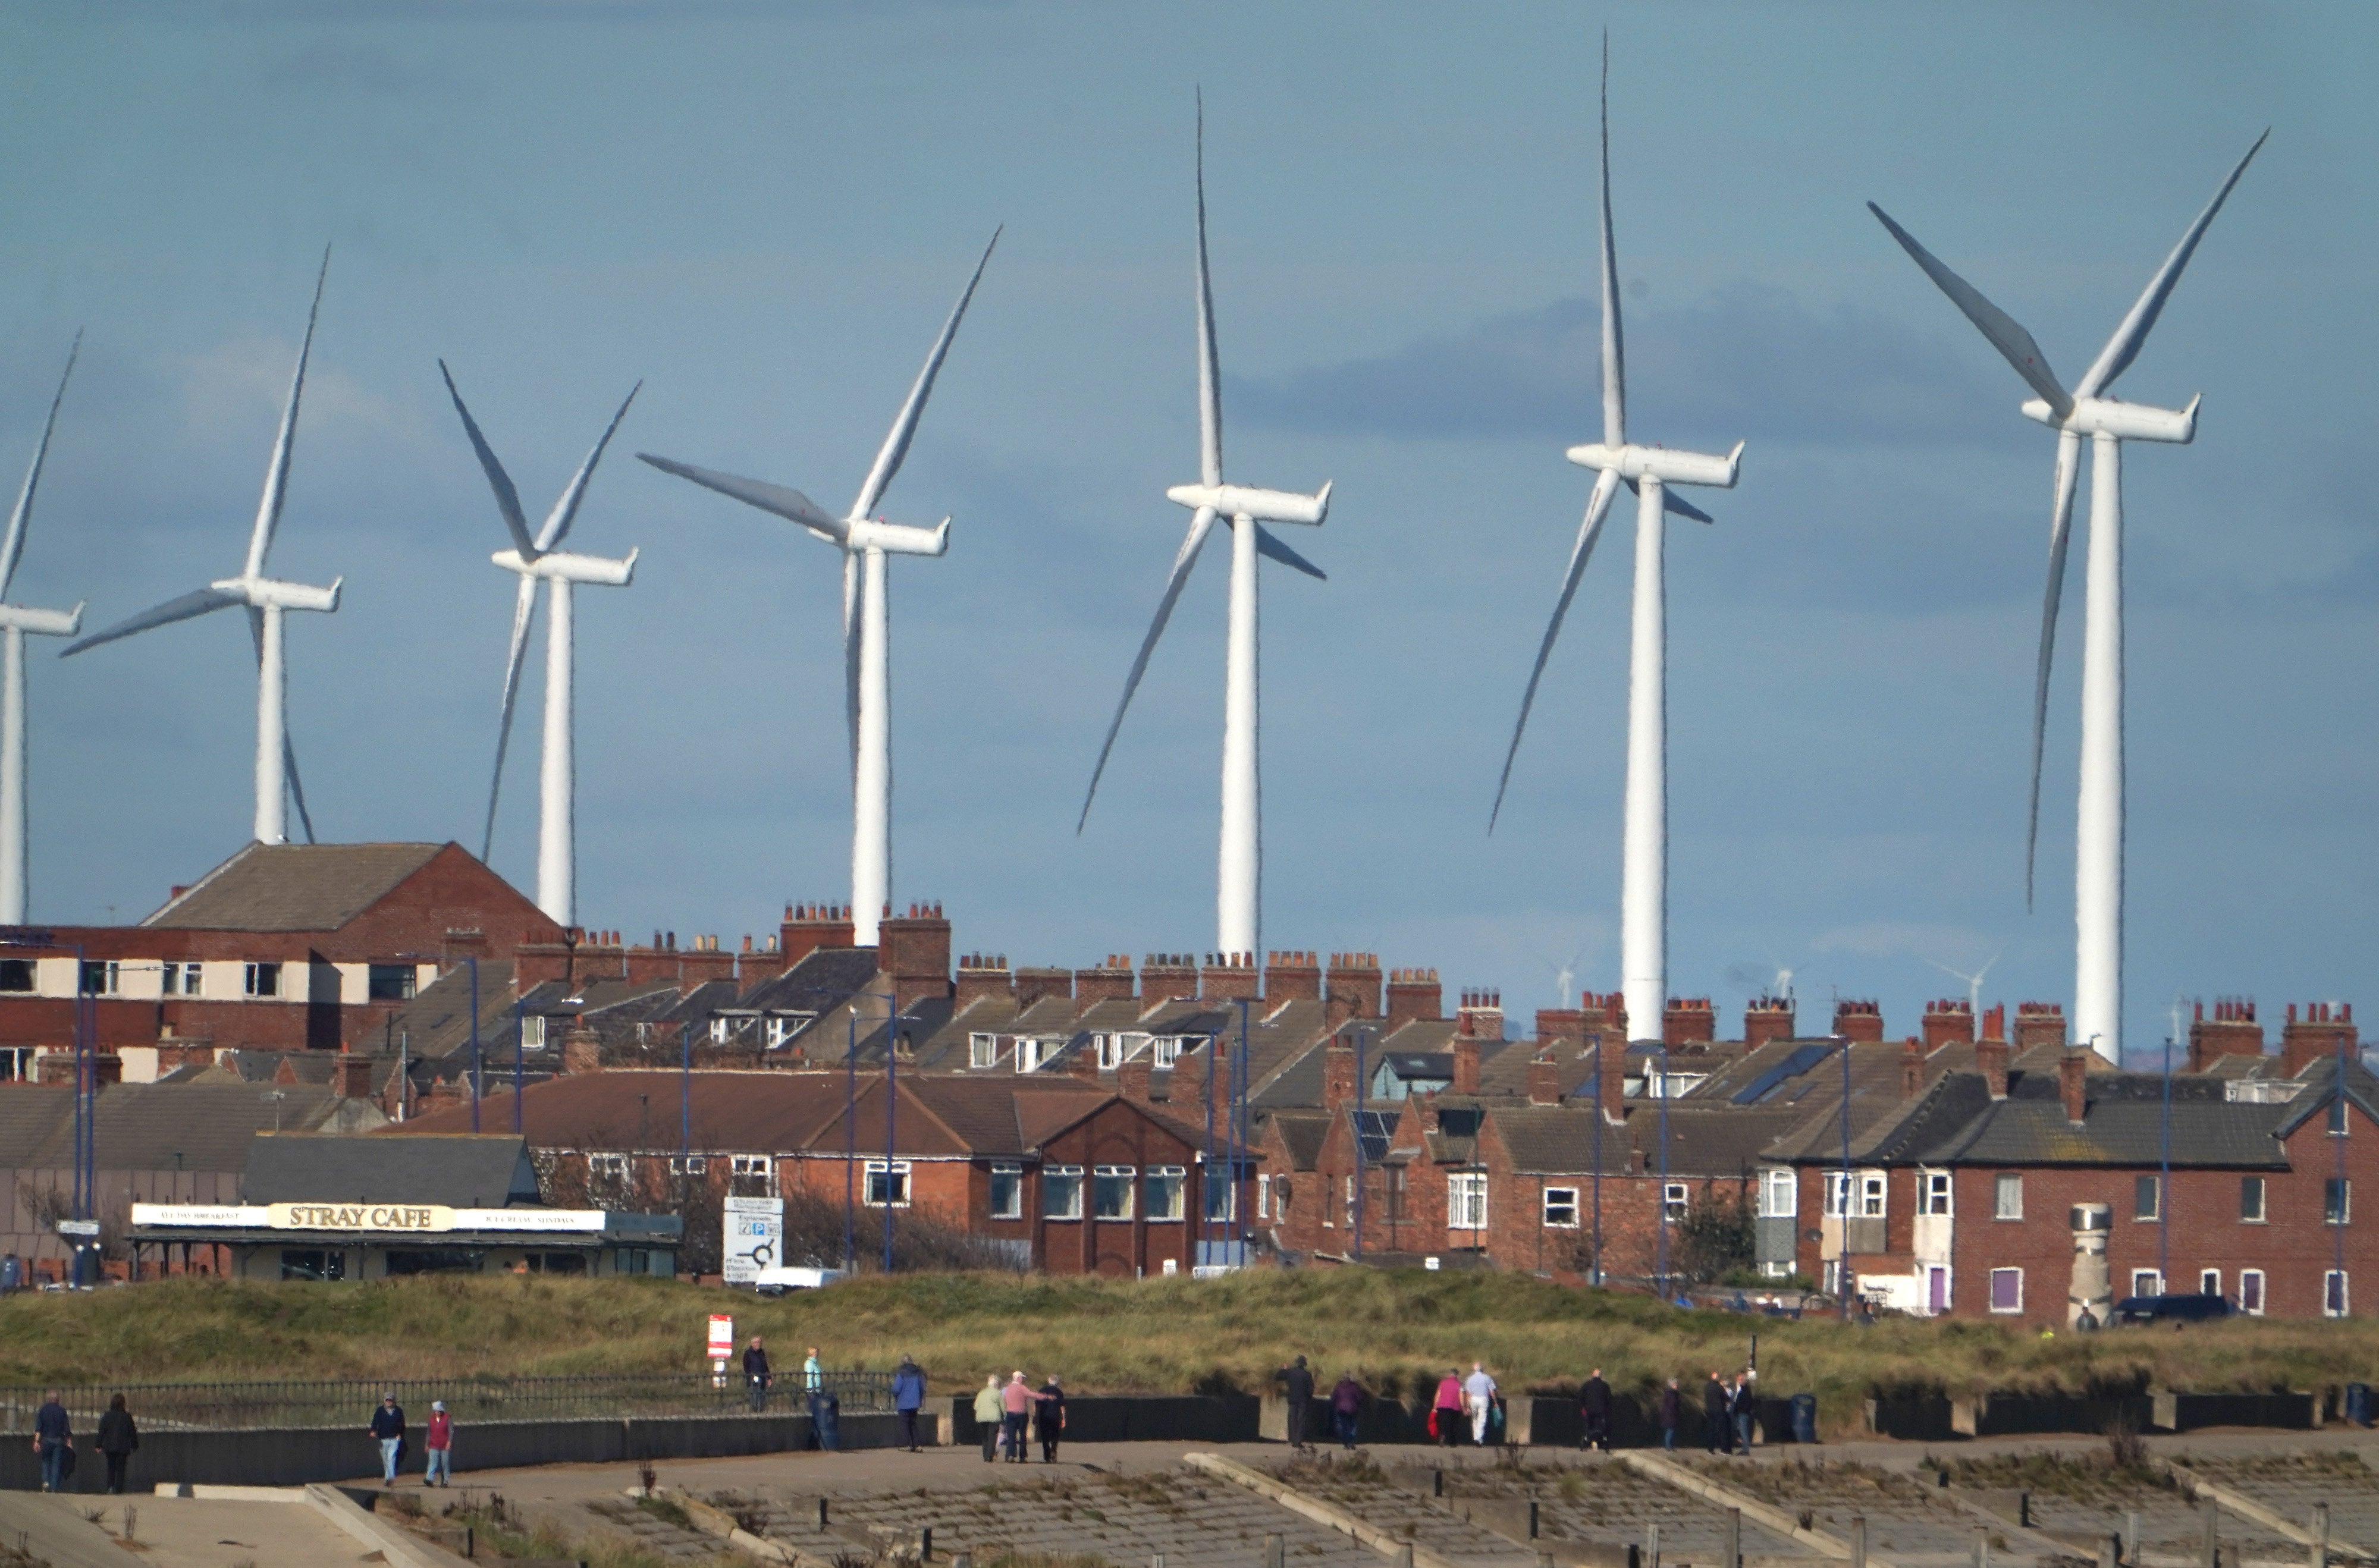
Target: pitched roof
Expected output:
[195,1127]
[293,887]
[458,1170]
[2123,1123]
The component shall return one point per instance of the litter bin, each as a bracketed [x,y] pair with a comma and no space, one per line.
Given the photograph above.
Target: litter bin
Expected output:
[2358,1404]
[1805,1417]
[828,1417]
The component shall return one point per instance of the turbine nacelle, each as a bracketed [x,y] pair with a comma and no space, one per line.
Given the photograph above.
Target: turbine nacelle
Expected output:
[2124,421]
[570,567]
[268,593]
[896,539]
[1664,463]
[43,622]
[1246,501]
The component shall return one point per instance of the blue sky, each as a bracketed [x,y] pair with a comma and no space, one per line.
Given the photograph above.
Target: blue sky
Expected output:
[764,212]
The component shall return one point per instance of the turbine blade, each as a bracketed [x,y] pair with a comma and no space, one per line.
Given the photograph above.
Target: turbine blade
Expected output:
[851,577]
[1268,543]
[1209,370]
[2060,535]
[507,496]
[565,510]
[1202,523]
[2006,336]
[904,427]
[1598,506]
[197,602]
[523,621]
[2124,346]
[276,478]
[791,505]
[12,549]
[1672,501]
[1614,362]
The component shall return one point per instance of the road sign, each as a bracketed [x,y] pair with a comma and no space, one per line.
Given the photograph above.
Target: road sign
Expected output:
[78,1227]
[722,1336]
[753,1237]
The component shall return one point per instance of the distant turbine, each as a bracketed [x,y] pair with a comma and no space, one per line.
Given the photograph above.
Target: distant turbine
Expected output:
[1649,471]
[17,619]
[266,598]
[557,837]
[1974,982]
[865,540]
[2088,411]
[1239,888]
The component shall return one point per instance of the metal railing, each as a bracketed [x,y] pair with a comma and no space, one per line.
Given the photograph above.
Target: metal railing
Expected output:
[242,1407]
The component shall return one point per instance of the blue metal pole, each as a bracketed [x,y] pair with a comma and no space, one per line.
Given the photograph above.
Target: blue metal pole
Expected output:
[850,1145]
[1843,1284]
[520,1040]
[1362,1039]
[1664,1069]
[2163,1180]
[473,962]
[891,1109]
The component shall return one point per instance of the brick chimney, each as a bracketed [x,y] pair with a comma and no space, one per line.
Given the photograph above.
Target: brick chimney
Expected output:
[1083,1061]
[1912,1068]
[1995,1021]
[1229,977]
[1413,994]
[1544,1080]
[1111,981]
[1610,1078]
[1337,1074]
[1350,987]
[1131,1080]
[1689,1021]
[581,1049]
[1859,1022]
[1766,1019]
[1032,984]
[1205,1079]
[705,962]
[1167,977]
[1466,1064]
[1991,1061]
[1292,976]
[808,927]
[1480,1015]
[351,1078]
[2072,1083]
[1606,1014]
[984,977]
[2231,1031]
[2318,1036]
[534,963]
[2038,1023]
[1565,1025]
[1949,1021]
[914,952]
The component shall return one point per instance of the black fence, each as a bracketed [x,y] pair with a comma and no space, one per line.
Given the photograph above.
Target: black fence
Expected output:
[247,1406]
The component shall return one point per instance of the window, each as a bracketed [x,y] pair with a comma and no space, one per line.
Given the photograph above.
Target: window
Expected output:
[1263,1198]
[1465,1200]
[607,1167]
[2251,1292]
[263,980]
[1937,1192]
[754,1175]
[1222,1195]
[1008,1192]
[1167,1047]
[778,1030]
[2007,1290]
[2333,1294]
[2337,1201]
[1561,1208]
[2338,1118]
[1110,1050]
[98,977]
[2250,1200]
[2147,1282]
[1837,1182]
[2147,1195]
[2209,1282]
[180,980]
[982,1050]
[1030,1054]
[390,983]
[1673,1203]
[1166,1196]
[17,974]
[309,1264]
[1061,1192]
[1834,1280]
[882,1183]
[2007,1197]
[689,1164]
[1870,1190]
[1111,1192]
[532,1031]
[719,1029]
[1778,1194]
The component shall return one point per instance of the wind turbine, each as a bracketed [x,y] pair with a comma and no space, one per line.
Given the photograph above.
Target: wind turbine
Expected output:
[865,540]
[1974,983]
[1649,471]
[532,560]
[1239,887]
[266,599]
[15,621]
[2088,411]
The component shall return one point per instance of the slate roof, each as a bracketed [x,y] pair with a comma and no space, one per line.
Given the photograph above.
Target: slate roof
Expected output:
[1302,1133]
[2122,1125]
[460,1171]
[293,887]
[194,1127]
[1560,1140]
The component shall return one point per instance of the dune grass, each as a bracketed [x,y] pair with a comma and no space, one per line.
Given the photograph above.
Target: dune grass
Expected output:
[1395,1330]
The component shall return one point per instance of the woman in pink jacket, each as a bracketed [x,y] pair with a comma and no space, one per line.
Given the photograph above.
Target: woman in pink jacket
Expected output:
[440,1442]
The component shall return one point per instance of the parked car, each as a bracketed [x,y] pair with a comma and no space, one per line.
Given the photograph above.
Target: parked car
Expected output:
[2171,1308]
[777,1279]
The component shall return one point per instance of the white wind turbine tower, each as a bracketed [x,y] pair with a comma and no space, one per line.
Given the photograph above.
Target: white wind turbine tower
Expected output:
[266,599]
[15,621]
[534,560]
[1974,983]
[1239,888]
[2088,411]
[1649,471]
[865,540]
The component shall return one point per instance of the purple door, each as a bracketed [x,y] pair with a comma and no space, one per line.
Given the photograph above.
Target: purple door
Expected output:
[1937,1291]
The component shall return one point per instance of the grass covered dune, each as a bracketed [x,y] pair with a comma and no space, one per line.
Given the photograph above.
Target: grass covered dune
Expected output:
[1176,1335]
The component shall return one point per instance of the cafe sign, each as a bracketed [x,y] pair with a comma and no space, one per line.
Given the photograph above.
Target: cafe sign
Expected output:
[359,1216]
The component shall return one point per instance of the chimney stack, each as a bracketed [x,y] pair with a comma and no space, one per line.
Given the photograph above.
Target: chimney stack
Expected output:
[1689,1021]
[1859,1022]
[1414,994]
[1766,1019]
[1991,1061]
[1912,1068]
[1337,1074]
[1111,981]
[914,951]
[1034,984]
[1544,1080]
[1949,1021]
[2072,1085]
[354,1078]
[1480,1015]
[808,927]
[1292,976]
[1229,977]
[1166,977]
[2317,1037]
[1606,1014]
[1131,1080]
[2037,1024]
[582,1050]
[1610,1078]
[984,978]
[1351,987]
[1565,1026]
[1466,1064]
[2231,1031]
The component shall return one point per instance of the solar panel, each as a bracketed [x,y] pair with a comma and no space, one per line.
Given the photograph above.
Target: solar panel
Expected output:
[1375,1129]
[1801,1060]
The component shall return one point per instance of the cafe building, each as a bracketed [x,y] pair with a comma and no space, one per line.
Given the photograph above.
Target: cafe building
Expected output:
[317,1206]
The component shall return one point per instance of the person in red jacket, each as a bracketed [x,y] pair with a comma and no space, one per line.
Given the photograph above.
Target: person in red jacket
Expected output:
[440,1442]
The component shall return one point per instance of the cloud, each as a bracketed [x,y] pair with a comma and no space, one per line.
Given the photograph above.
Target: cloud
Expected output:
[1746,362]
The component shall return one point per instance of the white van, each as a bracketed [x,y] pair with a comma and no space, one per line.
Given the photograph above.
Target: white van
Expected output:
[777,1279]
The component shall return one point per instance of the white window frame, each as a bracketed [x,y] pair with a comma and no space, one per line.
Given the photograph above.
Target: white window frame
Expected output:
[2260,1300]
[605,1166]
[761,1165]
[689,1164]
[1838,1187]
[1676,1197]
[1110,1050]
[2263,1190]
[2335,1300]
[1062,1174]
[1164,1048]
[1031,1051]
[2154,1279]
[2154,1188]
[1991,1294]
[2007,1186]
[2343,1213]
[1014,1172]
[982,1050]
[1264,1197]
[719,1030]
[103,977]
[1179,1176]
[1558,1201]
[1779,1193]
[1875,1194]
[1222,1195]
[1938,1198]
[2209,1282]
[254,983]
[895,1171]
[1465,1200]
[1127,1178]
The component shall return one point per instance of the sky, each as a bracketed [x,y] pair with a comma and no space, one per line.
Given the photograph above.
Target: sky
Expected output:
[763,213]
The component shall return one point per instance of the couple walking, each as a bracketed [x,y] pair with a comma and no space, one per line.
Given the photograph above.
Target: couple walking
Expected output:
[1347,1401]
[1475,1396]
[1002,1412]
[387,1427]
[53,1442]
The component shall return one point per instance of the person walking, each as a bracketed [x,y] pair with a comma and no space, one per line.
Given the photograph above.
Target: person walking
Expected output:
[1445,1412]
[989,1414]
[1297,1387]
[438,1447]
[1016,1407]
[1594,1413]
[1718,1421]
[1479,1393]
[53,1441]
[1049,1418]
[118,1438]
[756,1377]
[908,1397]
[388,1426]
[1347,1410]
[1743,1405]
[1672,1401]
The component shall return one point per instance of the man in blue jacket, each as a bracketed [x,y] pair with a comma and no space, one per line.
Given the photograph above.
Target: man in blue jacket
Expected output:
[53,1440]
[388,1425]
[908,1396]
